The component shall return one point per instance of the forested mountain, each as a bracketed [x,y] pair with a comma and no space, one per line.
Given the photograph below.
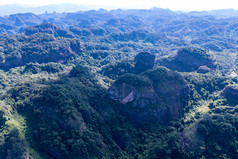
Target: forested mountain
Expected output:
[119,84]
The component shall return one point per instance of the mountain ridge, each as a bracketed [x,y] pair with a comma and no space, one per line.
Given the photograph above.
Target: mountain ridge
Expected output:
[8,9]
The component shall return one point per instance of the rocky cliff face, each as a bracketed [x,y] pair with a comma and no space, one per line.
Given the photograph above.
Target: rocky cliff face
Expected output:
[191,59]
[157,95]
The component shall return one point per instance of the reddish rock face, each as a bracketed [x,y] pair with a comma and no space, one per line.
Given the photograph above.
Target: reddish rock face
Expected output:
[160,100]
[126,93]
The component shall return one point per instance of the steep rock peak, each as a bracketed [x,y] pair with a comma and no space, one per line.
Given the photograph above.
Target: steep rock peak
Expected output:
[155,95]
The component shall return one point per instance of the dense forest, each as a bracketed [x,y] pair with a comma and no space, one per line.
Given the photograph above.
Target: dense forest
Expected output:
[119,84]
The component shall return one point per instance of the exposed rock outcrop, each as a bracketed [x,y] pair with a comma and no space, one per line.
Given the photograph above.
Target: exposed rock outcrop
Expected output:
[204,69]
[156,95]
[191,59]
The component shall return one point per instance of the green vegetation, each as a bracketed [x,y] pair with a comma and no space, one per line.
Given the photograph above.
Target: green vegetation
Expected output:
[54,82]
[197,52]
[18,50]
[219,133]
[36,68]
[134,80]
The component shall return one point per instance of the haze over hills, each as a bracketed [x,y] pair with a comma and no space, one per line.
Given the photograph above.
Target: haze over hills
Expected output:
[59,8]
[69,7]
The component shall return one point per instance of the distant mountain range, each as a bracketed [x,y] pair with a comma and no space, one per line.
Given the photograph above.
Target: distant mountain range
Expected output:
[68,7]
[64,7]
[221,13]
